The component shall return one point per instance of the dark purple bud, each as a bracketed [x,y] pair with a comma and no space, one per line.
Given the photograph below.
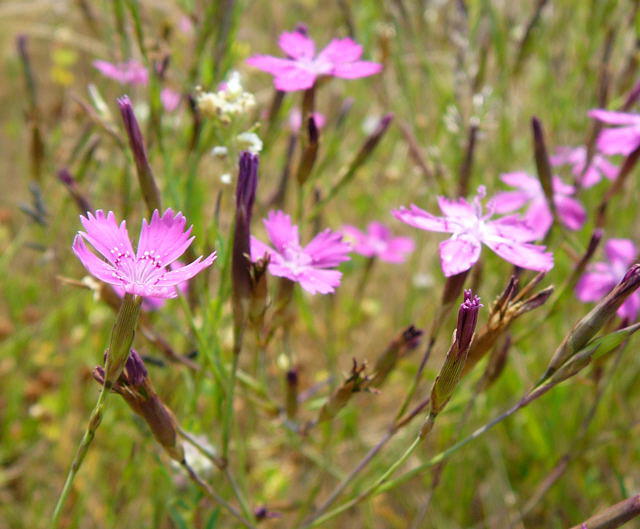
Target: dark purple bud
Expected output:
[262,513]
[247,182]
[411,337]
[136,371]
[240,259]
[543,165]
[303,29]
[467,320]
[150,191]
[72,186]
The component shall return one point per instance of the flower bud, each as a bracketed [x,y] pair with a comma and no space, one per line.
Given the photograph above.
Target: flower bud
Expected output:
[451,371]
[240,259]
[588,326]
[357,381]
[150,191]
[72,187]
[405,342]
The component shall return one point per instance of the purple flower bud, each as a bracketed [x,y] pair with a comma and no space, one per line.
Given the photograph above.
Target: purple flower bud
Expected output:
[467,320]
[72,186]
[150,191]
[241,263]
[136,371]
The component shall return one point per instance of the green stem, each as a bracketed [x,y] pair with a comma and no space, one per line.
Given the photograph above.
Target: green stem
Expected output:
[94,421]
[228,418]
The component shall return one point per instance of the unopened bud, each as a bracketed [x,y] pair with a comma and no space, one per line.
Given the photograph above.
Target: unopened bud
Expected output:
[72,187]
[357,381]
[240,259]
[148,186]
[408,340]
[588,326]
[451,371]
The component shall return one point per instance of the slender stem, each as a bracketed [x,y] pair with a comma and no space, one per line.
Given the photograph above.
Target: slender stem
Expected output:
[228,418]
[211,493]
[94,422]
[380,486]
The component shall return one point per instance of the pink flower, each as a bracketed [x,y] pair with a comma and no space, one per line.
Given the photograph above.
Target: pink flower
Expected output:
[577,158]
[295,120]
[379,242]
[143,273]
[538,216]
[130,72]
[603,276]
[302,67]
[507,236]
[149,304]
[621,140]
[308,266]
[170,99]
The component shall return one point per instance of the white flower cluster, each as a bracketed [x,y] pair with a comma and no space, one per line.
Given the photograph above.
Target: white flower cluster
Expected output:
[230,100]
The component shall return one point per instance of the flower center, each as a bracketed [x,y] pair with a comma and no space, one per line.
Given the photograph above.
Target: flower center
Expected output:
[295,258]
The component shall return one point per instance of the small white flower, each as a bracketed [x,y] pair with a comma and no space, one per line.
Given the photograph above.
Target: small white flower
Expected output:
[250,141]
[219,151]
[225,178]
[230,100]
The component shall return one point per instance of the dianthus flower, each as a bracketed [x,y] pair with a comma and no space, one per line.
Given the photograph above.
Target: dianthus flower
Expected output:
[620,140]
[576,157]
[129,72]
[601,277]
[470,227]
[302,67]
[143,273]
[378,241]
[310,265]
[538,215]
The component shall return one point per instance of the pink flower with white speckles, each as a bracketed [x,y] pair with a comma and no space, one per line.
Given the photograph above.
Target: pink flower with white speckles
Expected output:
[603,276]
[538,215]
[619,140]
[129,72]
[470,227]
[142,273]
[576,157]
[309,265]
[302,67]
[378,241]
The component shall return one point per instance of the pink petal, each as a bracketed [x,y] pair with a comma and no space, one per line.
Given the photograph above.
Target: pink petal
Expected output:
[508,201]
[629,309]
[459,254]
[561,187]
[591,176]
[622,140]
[130,72]
[510,227]
[297,45]
[170,99]
[355,70]
[177,276]
[280,230]
[269,64]
[327,249]
[164,237]
[397,250]
[260,249]
[418,218]
[340,51]
[377,230]
[593,286]
[94,265]
[317,281]
[521,180]
[104,234]
[529,256]
[615,118]
[293,79]
[568,155]
[539,218]
[620,252]
[608,169]
[570,212]
[456,207]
